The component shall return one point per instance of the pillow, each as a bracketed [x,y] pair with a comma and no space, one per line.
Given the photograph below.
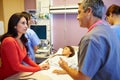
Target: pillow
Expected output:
[59,51]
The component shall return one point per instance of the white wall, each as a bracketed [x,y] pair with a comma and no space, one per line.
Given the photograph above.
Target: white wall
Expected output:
[42,7]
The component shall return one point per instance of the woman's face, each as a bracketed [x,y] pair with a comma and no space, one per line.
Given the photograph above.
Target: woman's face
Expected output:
[22,26]
[66,51]
[110,18]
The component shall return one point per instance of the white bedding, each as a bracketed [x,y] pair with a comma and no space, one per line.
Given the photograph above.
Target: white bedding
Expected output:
[54,76]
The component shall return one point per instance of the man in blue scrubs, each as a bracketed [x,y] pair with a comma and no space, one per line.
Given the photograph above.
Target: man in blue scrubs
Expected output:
[99,49]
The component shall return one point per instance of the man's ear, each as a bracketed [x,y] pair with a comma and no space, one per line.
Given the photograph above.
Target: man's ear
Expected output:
[89,10]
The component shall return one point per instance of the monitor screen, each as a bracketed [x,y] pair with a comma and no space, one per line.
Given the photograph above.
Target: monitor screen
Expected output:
[40,30]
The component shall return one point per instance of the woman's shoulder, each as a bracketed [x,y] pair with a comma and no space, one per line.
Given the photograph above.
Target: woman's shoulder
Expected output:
[9,39]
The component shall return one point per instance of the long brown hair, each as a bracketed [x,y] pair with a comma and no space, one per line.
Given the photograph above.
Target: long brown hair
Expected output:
[12,32]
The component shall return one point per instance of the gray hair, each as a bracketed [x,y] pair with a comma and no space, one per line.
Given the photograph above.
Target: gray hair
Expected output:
[97,6]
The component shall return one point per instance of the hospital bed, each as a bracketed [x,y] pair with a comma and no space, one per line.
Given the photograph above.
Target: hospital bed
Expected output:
[44,74]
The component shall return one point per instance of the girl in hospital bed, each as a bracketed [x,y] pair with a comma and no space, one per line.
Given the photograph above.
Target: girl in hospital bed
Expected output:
[67,54]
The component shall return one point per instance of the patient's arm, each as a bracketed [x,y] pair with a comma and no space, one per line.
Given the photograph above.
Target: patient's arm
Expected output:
[58,71]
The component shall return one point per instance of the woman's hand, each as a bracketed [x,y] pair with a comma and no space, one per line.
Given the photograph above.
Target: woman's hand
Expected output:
[44,66]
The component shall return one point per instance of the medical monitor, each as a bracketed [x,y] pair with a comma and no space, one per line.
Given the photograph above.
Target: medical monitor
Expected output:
[40,30]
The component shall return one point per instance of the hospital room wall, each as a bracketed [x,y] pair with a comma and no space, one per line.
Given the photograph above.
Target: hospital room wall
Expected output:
[29,4]
[66,29]
[7,8]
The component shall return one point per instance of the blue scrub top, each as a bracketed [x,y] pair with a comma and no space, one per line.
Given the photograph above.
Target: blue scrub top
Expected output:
[33,40]
[116,29]
[99,54]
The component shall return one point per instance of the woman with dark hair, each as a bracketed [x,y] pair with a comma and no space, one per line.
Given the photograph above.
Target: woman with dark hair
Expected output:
[113,17]
[13,49]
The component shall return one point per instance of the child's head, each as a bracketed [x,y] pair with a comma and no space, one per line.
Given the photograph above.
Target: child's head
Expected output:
[68,51]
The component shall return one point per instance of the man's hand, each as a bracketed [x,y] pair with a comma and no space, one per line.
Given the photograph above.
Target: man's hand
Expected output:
[63,64]
[58,71]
